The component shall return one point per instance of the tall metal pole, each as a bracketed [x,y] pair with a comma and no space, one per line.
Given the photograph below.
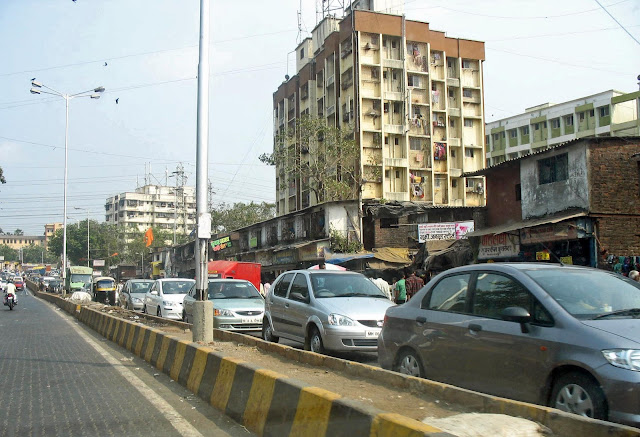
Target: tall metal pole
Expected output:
[64,225]
[87,237]
[202,309]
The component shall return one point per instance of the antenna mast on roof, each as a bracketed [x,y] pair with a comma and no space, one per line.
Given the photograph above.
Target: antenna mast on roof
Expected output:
[299,37]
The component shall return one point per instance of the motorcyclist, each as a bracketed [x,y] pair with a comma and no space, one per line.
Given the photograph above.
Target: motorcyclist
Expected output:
[10,288]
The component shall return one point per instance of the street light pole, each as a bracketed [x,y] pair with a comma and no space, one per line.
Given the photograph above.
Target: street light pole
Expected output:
[202,309]
[95,94]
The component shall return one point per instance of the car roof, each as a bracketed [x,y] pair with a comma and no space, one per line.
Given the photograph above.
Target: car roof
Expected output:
[103,278]
[174,279]
[228,280]
[323,271]
[515,266]
[140,280]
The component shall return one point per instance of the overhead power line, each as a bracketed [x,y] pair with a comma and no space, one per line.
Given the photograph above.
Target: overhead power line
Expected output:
[619,24]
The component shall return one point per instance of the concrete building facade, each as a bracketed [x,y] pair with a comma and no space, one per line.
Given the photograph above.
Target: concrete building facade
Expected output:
[20,241]
[412,96]
[50,230]
[154,205]
[609,113]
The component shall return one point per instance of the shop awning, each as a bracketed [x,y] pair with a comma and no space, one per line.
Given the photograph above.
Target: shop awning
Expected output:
[495,230]
[339,258]
[397,255]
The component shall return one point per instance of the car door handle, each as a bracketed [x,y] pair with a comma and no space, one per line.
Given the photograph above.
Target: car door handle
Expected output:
[286,305]
[420,320]
[475,327]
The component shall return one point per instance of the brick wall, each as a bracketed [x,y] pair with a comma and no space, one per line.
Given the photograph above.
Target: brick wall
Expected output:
[614,180]
[502,206]
[393,237]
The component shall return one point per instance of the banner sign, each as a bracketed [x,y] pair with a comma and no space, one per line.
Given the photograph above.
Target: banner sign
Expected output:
[444,231]
[220,244]
[498,246]
[551,232]
[98,263]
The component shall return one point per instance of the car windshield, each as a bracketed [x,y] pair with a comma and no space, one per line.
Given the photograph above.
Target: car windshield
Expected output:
[343,285]
[140,287]
[176,287]
[104,283]
[233,290]
[587,294]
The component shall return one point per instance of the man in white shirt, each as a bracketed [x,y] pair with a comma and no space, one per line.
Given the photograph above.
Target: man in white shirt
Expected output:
[10,288]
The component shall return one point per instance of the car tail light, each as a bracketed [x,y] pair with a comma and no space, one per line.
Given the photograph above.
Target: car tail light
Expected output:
[384,321]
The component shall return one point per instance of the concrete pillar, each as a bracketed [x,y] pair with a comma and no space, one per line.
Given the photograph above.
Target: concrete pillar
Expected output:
[202,329]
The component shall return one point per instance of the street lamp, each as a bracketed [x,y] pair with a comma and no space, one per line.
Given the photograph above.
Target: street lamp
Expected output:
[85,209]
[93,94]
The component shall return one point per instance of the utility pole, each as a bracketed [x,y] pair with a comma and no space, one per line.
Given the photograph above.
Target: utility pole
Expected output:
[202,309]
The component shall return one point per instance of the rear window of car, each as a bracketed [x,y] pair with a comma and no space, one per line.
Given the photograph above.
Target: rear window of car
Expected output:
[233,290]
[140,287]
[104,284]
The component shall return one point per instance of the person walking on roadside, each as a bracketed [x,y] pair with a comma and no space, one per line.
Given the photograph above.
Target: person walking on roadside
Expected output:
[413,284]
[401,290]
[383,286]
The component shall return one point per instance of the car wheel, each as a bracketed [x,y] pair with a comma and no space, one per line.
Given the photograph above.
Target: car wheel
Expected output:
[578,393]
[409,364]
[315,341]
[159,312]
[267,332]
[144,309]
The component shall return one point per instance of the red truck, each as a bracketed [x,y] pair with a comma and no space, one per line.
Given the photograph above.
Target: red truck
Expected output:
[236,270]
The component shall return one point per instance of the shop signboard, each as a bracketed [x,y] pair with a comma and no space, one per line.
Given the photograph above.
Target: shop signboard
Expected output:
[498,246]
[253,242]
[98,263]
[543,256]
[284,257]
[308,252]
[551,232]
[264,258]
[221,244]
[444,231]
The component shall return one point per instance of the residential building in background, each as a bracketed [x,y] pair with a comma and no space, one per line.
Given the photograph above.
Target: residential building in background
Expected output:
[412,95]
[154,205]
[49,231]
[609,113]
[20,241]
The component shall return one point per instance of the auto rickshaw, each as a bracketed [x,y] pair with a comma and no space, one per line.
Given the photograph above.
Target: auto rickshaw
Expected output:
[104,290]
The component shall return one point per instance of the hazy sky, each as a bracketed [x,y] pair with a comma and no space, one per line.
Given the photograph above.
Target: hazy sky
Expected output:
[537,51]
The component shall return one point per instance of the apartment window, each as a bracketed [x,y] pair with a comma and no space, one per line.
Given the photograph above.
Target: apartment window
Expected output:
[397,174]
[555,123]
[466,92]
[394,44]
[386,140]
[487,139]
[518,192]
[468,123]
[394,75]
[452,122]
[466,63]
[386,107]
[454,183]
[544,124]
[395,141]
[396,108]
[604,111]
[302,53]
[495,137]
[536,126]
[513,133]
[525,130]
[415,144]
[449,63]
[413,81]
[553,169]
[591,113]
[568,120]
[451,93]
[502,135]
[581,116]
[468,153]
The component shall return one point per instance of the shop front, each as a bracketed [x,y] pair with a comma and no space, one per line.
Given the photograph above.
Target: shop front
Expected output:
[569,242]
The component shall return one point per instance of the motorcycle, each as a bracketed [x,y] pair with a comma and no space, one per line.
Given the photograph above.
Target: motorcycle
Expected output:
[10,301]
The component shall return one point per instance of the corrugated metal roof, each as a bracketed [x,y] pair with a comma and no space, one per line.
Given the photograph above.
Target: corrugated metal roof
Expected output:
[494,230]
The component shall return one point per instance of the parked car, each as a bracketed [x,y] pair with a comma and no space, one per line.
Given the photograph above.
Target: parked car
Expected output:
[332,310]
[18,282]
[563,336]
[133,292]
[54,286]
[237,305]
[164,298]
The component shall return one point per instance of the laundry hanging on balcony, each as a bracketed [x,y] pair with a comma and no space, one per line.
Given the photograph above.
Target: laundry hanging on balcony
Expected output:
[440,152]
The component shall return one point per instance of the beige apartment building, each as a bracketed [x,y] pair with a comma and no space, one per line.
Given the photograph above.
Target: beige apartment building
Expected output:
[49,231]
[20,241]
[413,97]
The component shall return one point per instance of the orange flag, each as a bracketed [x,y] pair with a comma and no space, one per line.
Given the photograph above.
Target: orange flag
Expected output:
[148,237]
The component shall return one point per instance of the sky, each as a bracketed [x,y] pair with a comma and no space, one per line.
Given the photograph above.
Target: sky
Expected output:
[145,54]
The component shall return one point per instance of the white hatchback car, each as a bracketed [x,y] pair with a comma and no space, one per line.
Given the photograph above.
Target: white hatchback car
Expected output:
[165,297]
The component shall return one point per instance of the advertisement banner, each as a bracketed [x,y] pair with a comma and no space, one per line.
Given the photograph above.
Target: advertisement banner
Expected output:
[98,263]
[551,232]
[498,246]
[444,231]
[221,244]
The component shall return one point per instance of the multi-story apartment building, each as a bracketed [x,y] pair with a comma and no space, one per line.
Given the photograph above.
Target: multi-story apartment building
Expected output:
[609,113]
[20,241]
[413,97]
[49,231]
[154,205]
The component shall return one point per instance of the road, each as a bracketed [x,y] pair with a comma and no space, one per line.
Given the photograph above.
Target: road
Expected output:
[59,378]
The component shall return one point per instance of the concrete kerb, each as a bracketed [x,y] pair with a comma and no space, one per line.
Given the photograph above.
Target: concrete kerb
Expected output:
[212,376]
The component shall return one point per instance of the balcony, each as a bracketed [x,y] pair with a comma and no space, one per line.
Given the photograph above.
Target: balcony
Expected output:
[395,162]
[455,172]
[330,110]
[394,129]
[394,95]
[453,81]
[393,63]
[401,196]
[454,112]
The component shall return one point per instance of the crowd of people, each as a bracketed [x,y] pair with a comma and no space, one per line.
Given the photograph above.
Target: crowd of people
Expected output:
[403,287]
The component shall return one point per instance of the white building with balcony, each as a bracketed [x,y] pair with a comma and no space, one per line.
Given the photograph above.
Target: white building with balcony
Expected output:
[159,206]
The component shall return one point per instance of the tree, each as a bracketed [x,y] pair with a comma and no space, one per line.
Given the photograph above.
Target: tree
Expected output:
[18,232]
[227,217]
[2,179]
[35,254]
[8,253]
[319,158]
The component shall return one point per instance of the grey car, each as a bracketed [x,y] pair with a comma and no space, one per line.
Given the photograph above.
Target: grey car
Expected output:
[132,294]
[237,305]
[563,336]
[332,310]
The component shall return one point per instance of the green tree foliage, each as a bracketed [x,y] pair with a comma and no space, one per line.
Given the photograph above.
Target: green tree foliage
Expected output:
[18,232]
[319,158]
[2,179]
[227,217]
[35,254]
[8,253]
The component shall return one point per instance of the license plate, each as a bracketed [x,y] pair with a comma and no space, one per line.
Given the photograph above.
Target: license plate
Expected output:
[251,319]
[372,334]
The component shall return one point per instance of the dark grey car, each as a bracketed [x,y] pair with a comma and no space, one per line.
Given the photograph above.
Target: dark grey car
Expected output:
[132,294]
[563,336]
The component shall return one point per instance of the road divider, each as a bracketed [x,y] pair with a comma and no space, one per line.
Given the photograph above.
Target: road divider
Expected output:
[273,404]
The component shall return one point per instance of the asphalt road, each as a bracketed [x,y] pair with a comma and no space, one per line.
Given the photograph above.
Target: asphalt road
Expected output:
[59,378]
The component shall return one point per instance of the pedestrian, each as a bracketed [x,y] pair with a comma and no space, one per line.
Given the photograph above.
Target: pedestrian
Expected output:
[383,286]
[413,284]
[267,286]
[401,290]
[322,265]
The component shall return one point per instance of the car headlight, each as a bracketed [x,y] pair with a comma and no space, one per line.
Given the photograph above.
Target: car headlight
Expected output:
[222,312]
[136,300]
[626,358]
[166,303]
[338,320]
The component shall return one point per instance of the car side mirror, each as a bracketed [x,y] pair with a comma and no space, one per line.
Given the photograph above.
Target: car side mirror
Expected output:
[299,297]
[518,315]
[153,292]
